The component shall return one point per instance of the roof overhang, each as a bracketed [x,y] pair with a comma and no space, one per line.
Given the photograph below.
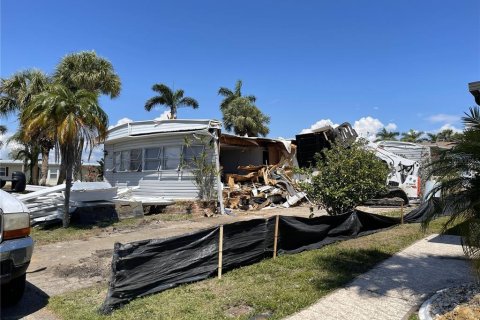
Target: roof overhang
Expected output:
[159,128]
[474,88]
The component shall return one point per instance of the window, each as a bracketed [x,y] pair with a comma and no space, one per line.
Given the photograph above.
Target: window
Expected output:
[171,159]
[157,158]
[153,158]
[3,171]
[191,153]
[53,174]
[136,159]
[122,160]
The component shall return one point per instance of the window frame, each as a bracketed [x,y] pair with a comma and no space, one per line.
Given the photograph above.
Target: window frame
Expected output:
[158,159]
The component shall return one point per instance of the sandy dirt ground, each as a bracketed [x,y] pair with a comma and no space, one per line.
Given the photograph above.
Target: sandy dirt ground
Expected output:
[62,267]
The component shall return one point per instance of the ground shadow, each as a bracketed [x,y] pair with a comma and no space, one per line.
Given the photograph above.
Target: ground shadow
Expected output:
[410,276]
[33,300]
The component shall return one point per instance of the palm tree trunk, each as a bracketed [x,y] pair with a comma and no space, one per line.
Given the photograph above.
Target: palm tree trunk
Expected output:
[69,159]
[44,171]
[77,168]
[173,112]
[62,174]
[35,172]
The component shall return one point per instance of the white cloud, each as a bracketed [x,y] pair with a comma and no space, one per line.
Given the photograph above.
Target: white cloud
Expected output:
[367,127]
[120,122]
[449,126]
[319,124]
[445,118]
[164,116]
[391,127]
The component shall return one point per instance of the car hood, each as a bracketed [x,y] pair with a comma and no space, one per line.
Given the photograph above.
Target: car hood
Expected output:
[10,204]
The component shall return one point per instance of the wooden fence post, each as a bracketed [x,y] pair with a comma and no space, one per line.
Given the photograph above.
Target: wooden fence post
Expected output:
[275,238]
[220,253]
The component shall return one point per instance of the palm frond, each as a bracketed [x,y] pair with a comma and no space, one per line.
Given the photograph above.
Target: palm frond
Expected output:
[472,119]
[188,102]
[225,92]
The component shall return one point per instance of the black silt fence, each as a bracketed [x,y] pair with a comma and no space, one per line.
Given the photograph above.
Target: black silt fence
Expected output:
[145,267]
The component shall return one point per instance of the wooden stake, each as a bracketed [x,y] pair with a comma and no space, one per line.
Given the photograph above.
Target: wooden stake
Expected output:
[275,238]
[220,253]
[401,214]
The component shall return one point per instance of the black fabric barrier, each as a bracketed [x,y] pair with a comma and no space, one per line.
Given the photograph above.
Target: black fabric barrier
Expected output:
[298,234]
[247,242]
[151,266]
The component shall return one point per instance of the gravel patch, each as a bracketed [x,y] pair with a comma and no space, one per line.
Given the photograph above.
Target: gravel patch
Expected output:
[460,302]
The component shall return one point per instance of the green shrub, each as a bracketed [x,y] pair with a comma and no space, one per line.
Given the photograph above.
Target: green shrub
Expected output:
[344,177]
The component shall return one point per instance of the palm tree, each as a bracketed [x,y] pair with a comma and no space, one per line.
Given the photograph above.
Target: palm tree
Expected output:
[28,152]
[3,130]
[385,135]
[244,118]
[16,93]
[170,99]
[18,90]
[412,136]
[445,135]
[75,117]
[230,95]
[432,137]
[86,70]
[458,171]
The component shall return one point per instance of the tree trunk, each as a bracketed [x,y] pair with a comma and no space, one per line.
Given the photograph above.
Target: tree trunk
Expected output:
[69,159]
[173,112]
[44,175]
[77,168]
[62,173]
[35,172]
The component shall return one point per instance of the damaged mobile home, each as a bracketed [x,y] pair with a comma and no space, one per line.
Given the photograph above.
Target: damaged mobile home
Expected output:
[158,157]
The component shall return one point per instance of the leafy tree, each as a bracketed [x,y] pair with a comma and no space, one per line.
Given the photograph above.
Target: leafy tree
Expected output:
[385,135]
[101,167]
[170,99]
[458,173]
[86,70]
[432,137]
[3,130]
[412,136]
[27,151]
[346,177]
[16,93]
[230,95]
[76,116]
[448,135]
[204,170]
[244,118]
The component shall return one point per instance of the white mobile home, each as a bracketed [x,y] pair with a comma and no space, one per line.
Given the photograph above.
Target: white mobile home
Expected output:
[157,155]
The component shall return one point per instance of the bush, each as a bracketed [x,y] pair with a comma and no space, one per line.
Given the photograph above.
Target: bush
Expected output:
[344,177]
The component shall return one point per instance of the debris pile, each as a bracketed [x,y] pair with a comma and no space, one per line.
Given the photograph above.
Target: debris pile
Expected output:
[45,205]
[262,187]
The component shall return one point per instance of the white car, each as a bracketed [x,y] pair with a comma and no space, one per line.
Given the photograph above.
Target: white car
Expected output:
[16,247]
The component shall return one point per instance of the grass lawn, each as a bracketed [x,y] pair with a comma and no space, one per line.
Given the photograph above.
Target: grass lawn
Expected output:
[77,232]
[279,287]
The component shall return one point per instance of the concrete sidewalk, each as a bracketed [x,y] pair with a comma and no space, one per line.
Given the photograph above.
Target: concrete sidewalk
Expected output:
[400,283]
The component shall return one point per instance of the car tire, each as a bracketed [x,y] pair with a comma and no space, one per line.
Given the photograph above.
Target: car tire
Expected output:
[12,292]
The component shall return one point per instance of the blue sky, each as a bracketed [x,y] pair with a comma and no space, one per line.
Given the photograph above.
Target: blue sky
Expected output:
[403,63]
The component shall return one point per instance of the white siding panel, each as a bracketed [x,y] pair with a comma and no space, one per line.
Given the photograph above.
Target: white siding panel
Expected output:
[168,183]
